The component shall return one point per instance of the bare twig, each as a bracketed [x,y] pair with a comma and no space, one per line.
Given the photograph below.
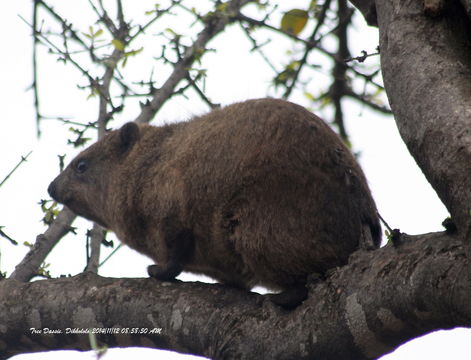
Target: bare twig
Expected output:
[368,77]
[53,47]
[362,57]
[23,159]
[3,234]
[120,245]
[71,122]
[35,69]
[158,14]
[258,47]
[201,93]
[63,22]
[312,44]
[364,100]
[263,23]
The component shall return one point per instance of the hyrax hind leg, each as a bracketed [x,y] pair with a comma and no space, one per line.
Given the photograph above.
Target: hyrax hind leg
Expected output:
[291,297]
[294,295]
[179,244]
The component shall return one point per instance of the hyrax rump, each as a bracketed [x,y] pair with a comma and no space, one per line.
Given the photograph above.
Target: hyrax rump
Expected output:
[261,192]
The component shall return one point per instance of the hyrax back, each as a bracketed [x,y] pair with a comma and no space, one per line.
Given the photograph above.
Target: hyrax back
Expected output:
[261,192]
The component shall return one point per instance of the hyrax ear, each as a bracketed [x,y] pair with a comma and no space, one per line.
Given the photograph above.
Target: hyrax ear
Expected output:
[128,135]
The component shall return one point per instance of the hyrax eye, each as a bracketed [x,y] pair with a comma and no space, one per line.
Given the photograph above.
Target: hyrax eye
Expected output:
[81,166]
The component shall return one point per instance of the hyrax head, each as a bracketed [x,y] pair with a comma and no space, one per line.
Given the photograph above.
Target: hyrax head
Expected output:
[85,186]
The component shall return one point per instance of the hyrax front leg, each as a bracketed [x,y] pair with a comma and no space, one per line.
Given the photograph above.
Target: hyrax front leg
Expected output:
[179,243]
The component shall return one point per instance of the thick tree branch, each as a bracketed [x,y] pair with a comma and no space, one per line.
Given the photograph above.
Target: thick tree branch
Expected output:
[427,74]
[360,311]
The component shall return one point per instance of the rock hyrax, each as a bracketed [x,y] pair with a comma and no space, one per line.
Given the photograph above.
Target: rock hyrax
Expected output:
[260,192]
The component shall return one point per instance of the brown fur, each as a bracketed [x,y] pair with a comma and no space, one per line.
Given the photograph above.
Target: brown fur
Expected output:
[257,193]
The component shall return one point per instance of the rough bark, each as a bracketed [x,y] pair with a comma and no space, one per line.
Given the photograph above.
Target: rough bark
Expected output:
[360,311]
[426,69]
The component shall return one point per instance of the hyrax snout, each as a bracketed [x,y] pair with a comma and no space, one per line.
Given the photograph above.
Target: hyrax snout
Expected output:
[261,192]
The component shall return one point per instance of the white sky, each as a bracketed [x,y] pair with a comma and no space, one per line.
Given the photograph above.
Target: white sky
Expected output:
[403,196]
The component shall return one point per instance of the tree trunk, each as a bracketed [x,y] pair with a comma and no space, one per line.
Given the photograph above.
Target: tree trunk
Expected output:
[426,68]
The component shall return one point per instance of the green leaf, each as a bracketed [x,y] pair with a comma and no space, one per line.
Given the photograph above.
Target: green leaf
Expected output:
[293,65]
[92,33]
[294,21]
[313,6]
[325,101]
[130,53]
[171,32]
[28,244]
[152,12]
[309,96]
[93,93]
[99,350]
[98,33]
[118,44]
[222,7]
[133,52]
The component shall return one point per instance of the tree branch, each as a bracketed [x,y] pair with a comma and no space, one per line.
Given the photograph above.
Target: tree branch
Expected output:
[363,310]
[427,74]
[22,160]
[368,102]
[215,23]
[45,242]
[94,240]
[339,72]
[308,48]
[34,85]
[368,9]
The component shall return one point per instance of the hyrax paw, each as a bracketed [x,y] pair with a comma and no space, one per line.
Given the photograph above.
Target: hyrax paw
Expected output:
[161,273]
[290,298]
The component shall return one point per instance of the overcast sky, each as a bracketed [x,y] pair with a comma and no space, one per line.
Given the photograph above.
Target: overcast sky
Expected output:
[403,196]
